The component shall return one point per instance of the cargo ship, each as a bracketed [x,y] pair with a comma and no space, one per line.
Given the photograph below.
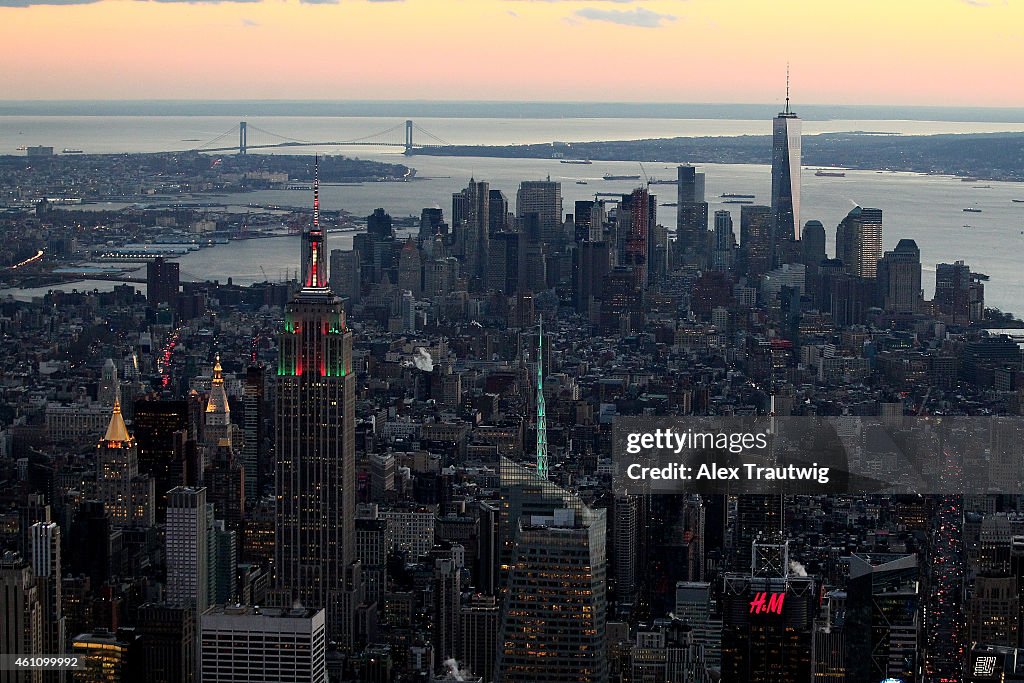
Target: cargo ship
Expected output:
[822,173]
[575,161]
[609,176]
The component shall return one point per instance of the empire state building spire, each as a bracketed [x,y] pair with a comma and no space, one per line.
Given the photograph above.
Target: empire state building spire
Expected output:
[314,271]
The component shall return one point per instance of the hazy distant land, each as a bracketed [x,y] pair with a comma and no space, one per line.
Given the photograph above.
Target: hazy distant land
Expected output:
[990,156]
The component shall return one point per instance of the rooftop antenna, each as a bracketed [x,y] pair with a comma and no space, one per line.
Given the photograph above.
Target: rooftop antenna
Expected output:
[542,428]
[787,87]
[316,192]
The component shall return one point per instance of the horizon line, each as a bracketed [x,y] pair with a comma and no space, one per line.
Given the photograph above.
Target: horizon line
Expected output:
[605,103]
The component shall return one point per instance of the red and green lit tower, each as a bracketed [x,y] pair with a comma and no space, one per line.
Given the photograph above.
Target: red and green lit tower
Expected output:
[315,471]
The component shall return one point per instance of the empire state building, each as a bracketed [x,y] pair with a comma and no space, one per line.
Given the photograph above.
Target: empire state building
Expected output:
[315,471]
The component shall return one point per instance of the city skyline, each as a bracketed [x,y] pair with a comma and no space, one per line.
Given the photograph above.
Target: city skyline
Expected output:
[390,50]
[517,412]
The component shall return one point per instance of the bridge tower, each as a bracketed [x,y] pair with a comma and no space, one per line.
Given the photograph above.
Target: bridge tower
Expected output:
[408,136]
[242,137]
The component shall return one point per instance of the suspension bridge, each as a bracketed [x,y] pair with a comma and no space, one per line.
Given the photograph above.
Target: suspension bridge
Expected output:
[264,139]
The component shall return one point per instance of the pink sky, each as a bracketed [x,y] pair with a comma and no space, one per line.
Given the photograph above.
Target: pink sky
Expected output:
[938,52]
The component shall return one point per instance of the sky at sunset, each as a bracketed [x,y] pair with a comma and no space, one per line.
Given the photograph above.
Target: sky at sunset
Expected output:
[927,52]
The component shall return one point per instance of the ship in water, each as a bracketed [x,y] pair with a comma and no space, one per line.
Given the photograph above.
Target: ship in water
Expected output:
[609,176]
[575,161]
[659,181]
[738,201]
[581,182]
[822,173]
[972,209]
[733,195]
[1018,201]
[71,151]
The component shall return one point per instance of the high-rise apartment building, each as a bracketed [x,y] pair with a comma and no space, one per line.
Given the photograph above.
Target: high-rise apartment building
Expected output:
[162,281]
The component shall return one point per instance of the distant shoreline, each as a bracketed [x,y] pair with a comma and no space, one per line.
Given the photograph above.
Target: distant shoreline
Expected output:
[503,109]
[984,156]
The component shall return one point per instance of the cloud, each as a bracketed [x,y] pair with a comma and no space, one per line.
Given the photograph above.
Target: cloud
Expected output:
[28,3]
[640,17]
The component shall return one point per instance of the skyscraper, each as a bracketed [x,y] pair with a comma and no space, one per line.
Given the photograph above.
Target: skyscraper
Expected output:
[544,198]
[959,292]
[188,561]
[725,243]
[899,278]
[248,643]
[767,615]
[859,241]
[813,244]
[217,426]
[162,281]
[471,213]
[128,498]
[882,617]
[634,231]
[46,566]
[785,181]
[22,623]
[168,643]
[315,417]
[589,219]
[542,429]
[252,427]
[755,245]
[691,216]
[346,274]
[553,618]
[155,424]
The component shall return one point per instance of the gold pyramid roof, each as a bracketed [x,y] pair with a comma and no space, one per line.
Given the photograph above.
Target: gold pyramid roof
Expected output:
[117,431]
